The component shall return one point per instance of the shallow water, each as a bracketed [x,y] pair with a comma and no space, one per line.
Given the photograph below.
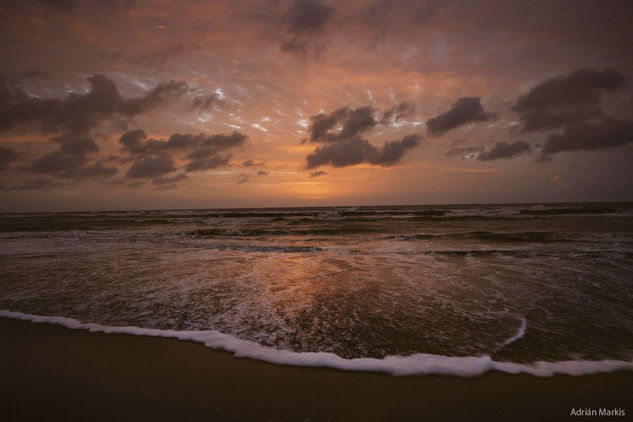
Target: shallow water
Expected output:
[517,283]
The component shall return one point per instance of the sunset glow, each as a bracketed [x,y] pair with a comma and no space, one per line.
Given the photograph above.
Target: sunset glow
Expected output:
[77,76]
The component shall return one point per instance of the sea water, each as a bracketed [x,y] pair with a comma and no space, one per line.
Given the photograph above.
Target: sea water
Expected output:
[536,288]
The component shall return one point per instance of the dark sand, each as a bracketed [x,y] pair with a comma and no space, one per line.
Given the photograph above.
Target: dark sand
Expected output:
[53,373]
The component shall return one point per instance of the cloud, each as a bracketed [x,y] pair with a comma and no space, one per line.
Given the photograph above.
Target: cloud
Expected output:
[70,160]
[551,119]
[132,141]
[305,21]
[557,180]
[340,154]
[262,173]
[65,5]
[163,93]
[78,114]
[151,167]
[57,162]
[392,152]
[341,131]
[96,170]
[251,163]
[202,150]
[164,183]
[135,142]
[208,163]
[74,119]
[566,99]
[580,87]
[243,178]
[398,112]
[160,57]
[357,150]
[505,150]
[39,183]
[7,155]
[352,122]
[588,136]
[76,145]
[464,110]
[318,173]
[205,102]
[213,144]
[308,16]
[465,153]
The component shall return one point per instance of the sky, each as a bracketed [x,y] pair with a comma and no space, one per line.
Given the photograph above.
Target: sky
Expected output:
[122,104]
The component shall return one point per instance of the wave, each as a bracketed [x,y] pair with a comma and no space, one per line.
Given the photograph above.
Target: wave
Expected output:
[566,211]
[249,248]
[290,232]
[519,334]
[539,237]
[416,364]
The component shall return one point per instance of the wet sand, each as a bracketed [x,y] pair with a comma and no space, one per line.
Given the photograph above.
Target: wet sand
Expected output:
[51,372]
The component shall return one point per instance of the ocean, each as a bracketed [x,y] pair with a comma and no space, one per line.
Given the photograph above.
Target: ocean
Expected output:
[455,289]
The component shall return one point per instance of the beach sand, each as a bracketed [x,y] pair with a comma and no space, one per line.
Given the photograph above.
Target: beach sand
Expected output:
[52,373]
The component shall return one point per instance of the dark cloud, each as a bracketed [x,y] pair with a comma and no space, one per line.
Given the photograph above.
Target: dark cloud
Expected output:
[565,100]
[251,163]
[216,143]
[294,47]
[357,150]
[163,183]
[151,167]
[392,152]
[464,110]
[340,154]
[580,87]
[163,93]
[305,21]
[588,136]
[96,170]
[65,5]
[57,162]
[132,141]
[78,114]
[7,155]
[308,16]
[353,122]
[205,102]
[397,112]
[135,142]
[262,173]
[464,152]
[160,57]
[243,178]
[67,165]
[318,173]
[342,130]
[70,160]
[203,150]
[548,119]
[39,183]
[76,145]
[505,150]
[208,163]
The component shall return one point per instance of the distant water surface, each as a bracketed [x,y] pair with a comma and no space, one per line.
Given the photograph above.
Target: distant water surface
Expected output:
[517,283]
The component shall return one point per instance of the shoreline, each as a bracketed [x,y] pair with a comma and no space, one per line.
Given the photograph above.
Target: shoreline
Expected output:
[51,372]
[399,366]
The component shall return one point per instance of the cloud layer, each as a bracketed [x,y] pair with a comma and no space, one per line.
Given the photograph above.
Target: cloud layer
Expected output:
[464,110]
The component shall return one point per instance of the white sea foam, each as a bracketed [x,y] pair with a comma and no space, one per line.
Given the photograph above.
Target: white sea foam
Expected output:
[520,333]
[417,364]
